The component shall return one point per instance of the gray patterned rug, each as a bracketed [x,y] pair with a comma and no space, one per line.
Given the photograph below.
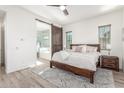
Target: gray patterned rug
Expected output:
[64,79]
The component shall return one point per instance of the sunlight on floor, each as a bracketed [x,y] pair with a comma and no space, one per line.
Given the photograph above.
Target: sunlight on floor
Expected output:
[41,72]
[38,63]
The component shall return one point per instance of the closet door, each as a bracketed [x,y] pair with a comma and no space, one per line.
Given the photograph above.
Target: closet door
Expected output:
[57,40]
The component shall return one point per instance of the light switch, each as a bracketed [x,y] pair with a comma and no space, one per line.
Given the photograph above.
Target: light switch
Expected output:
[17,48]
[21,39]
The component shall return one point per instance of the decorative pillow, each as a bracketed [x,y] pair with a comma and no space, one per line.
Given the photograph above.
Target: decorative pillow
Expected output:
[74,48]
[83,48]
[91,49]
[78,49]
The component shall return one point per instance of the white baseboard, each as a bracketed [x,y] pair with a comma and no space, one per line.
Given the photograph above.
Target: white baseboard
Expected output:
[16,69]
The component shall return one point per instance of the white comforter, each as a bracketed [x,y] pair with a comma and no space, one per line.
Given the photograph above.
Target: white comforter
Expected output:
[81,60]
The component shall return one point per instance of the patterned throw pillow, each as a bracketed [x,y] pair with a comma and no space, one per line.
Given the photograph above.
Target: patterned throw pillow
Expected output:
[81,48]
[78,49]
[91,49]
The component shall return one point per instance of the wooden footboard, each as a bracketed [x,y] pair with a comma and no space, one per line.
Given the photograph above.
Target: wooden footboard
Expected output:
[78,71]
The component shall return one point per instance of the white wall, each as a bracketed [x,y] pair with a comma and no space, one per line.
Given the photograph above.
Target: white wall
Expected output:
[0,41]
[86,31]
[123,37]
[20,38]
[20,35]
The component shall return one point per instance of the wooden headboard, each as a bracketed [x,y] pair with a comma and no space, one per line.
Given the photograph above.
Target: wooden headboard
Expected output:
[94,45]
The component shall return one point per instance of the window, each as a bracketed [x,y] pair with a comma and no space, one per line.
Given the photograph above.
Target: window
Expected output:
[105,37]
[43,38]
[68,39]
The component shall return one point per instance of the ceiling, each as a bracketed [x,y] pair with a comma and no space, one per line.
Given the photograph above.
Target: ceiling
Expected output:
[42,26]
[76,12]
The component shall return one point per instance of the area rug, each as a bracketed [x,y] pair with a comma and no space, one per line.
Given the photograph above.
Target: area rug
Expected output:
[63,79]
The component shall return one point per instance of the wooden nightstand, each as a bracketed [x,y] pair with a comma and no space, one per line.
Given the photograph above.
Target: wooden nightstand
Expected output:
[110,62]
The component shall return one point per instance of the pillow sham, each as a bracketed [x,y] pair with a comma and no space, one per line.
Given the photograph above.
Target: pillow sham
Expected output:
[73,48]
[83,48]
[77,49]
[91,49]
[80,48]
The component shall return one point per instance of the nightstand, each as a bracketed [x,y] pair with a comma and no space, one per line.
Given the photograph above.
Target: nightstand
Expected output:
[110,62]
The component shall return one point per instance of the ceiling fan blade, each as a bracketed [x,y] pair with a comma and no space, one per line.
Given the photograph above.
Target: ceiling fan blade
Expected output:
[65,12]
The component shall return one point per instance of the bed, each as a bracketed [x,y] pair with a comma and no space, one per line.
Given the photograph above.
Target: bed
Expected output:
[86,69]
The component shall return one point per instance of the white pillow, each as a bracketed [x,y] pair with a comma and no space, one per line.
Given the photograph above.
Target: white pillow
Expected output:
[91,49]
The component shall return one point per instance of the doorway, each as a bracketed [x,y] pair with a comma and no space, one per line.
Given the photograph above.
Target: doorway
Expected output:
[43,41]
[2,40]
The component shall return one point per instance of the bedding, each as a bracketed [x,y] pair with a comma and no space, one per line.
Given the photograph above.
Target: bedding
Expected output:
[77,59]
[64,54]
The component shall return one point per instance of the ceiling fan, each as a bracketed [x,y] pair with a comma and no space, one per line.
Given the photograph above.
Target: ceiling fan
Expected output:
[62,7]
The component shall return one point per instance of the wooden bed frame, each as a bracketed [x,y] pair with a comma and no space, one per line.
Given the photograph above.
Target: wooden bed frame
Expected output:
[78,71]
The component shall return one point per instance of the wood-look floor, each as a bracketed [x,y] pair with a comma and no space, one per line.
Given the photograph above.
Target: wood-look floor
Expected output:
[26,79]
[23,79]
[118,79]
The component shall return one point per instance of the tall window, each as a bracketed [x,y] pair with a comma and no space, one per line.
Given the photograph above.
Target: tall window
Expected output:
[43,38]
[105,37]
[68,39]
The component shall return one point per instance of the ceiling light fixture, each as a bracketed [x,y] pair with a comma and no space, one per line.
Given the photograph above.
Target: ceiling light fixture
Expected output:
[62,7]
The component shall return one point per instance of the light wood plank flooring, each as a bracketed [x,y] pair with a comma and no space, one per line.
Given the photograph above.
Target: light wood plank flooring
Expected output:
[26,79]
[23,79]
[118,79]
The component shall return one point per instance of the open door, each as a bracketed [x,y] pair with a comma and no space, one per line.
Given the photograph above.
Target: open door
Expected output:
[57,40]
